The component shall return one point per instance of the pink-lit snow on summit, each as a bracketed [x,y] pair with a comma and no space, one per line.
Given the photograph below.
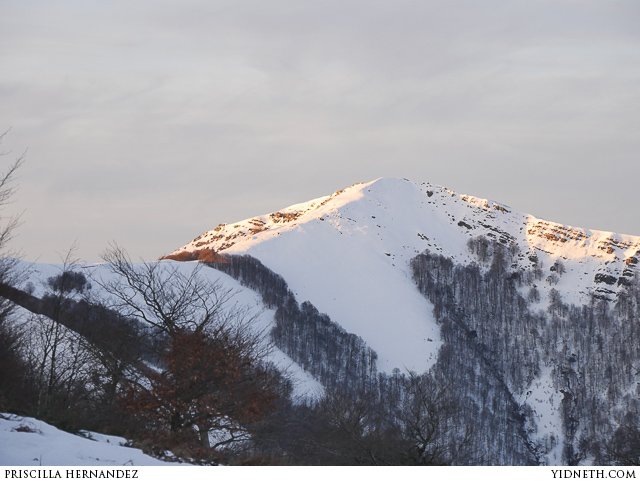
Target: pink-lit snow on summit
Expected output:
[348,253]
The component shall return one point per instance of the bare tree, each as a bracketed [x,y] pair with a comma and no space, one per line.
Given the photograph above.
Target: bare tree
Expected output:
[8,225]
[12,366]
[60,365]
[7,191]
[425,417]
[624,447]
[211,374]
[558,267]
[165,297]
[355,429]
[60,362]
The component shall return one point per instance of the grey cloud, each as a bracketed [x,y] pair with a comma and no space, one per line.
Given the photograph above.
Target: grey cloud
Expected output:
[178,115]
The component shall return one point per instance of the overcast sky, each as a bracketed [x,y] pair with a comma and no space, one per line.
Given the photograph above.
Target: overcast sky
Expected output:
[148,122]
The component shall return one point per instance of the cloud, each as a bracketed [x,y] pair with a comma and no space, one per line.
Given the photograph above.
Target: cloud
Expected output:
[204,112]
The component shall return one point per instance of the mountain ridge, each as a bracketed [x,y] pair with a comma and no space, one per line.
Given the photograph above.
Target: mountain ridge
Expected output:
[449,219]
[420,273]
[551,230]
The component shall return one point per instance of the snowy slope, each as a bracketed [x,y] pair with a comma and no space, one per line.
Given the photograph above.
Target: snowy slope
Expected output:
[545,402]
[30,442]
[243,300]
[348,254]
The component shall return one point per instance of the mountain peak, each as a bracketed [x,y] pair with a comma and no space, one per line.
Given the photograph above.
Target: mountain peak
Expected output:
[400,218]
[349,254]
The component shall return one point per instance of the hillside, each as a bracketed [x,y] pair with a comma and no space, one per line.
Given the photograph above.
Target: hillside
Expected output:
[535,286]
[29,442]
[397,219]
[431,327]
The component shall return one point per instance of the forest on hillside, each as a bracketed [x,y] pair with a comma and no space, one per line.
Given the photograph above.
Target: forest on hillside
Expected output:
[167,359]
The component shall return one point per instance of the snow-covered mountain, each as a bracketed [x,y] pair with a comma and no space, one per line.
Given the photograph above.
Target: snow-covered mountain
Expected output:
[546,327]
[348,254]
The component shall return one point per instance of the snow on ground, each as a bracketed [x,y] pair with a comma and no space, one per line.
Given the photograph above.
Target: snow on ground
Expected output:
[545,401]
[30,442]
[305,386]
[35,275]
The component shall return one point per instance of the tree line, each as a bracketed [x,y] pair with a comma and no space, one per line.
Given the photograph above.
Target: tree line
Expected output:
[490,317]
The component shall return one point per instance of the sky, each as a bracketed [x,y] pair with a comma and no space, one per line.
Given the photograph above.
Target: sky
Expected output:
[147,122]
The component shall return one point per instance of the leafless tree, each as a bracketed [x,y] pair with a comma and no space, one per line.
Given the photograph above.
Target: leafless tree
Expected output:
[8,224]
[624,447]
[211,373]
[168,298]
[426,416]
[12,366]
[60,362]
[60,365]
[7,191]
